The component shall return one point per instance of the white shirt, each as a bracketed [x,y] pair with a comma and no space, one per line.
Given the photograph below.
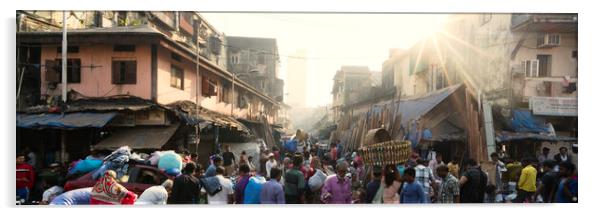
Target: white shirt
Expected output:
[155,195]
[221,198]
[52,192]
[269,165]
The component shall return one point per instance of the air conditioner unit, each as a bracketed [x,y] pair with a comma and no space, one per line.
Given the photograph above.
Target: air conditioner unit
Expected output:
[548,40]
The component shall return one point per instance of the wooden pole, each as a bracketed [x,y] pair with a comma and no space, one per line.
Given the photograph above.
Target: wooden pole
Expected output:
[63,147]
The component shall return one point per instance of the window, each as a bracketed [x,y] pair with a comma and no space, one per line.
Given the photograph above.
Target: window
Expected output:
[121,18]
[176,57]
[574,54]
[177,77]
[531,68]
[70,49]
[261,58]
[548,40]
[225,93]
[73,70]
[234,59]
[124,72]
[209,87]
[545,65]
[124,48]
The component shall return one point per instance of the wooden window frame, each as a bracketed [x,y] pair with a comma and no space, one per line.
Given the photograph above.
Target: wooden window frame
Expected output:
[173,74]
[123,77]
[70,70]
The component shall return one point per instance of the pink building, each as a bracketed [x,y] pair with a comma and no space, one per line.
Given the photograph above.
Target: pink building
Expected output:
[150,62]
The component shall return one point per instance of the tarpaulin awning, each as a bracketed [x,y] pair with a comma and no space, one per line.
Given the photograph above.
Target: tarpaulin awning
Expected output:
[506,136]
[147,137]
[524,121]
[411,109]
[64,121]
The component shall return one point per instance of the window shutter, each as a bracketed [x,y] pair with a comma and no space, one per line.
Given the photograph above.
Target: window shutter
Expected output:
[115,73]
[535,68]
[205,90]
[130,70]
[52,74]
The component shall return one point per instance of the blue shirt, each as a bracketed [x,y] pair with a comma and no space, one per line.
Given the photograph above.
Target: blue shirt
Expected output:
[75,197]
[272,193]
[572,185]
[211,171]
[412,193]
[371,190]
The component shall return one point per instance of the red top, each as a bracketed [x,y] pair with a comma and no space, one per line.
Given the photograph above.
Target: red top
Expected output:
[25,176]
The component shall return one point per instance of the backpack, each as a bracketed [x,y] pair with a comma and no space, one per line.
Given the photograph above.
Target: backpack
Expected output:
[211,185]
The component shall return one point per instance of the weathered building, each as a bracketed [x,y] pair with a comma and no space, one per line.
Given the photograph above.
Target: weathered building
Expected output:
[509,61]
[173,59]
[256,61]
[353,85]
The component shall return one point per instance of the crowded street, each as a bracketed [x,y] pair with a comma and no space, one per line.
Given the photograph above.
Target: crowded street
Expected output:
[184,107]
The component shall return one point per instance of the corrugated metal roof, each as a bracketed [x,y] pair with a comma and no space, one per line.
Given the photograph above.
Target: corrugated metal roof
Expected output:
[150,137]
[186,111]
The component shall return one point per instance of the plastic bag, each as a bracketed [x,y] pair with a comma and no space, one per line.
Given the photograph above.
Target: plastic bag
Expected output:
[253,190]
[154,158]
[317,180]
[85,166]
[170,160]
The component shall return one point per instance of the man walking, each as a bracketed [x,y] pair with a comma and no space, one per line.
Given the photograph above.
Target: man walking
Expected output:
[449,191]
[226,195]
[374,185]
[272,191]
[25,178]
[229,160]
[271,163]
[425,178]
[500,168]
[548,182]
[412,192]
[454,167]
[156,195]
[211,170]
[545,155]
[473,184]
[186,188]
[563,156]
[337,188]
[294,182]
[241,185]
[527,181]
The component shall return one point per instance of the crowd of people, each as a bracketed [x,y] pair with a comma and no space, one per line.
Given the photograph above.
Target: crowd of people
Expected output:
[320,176]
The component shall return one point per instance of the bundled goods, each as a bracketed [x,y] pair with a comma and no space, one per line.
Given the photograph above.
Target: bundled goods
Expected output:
[389,152]
[170,160]
[85,166]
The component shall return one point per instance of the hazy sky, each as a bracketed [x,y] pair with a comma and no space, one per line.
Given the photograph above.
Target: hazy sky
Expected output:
[331,40]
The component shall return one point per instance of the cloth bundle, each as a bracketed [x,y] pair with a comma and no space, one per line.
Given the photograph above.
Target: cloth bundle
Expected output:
[116,161]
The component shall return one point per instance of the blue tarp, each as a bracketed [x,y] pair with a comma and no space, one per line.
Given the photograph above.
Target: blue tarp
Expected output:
[524,121]
[64,121]
[506,136]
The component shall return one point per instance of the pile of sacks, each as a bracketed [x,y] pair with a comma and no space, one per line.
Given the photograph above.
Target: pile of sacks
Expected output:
[168,161]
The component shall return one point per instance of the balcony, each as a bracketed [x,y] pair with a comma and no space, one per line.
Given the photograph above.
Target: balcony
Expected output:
[544,22]
[548,87]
